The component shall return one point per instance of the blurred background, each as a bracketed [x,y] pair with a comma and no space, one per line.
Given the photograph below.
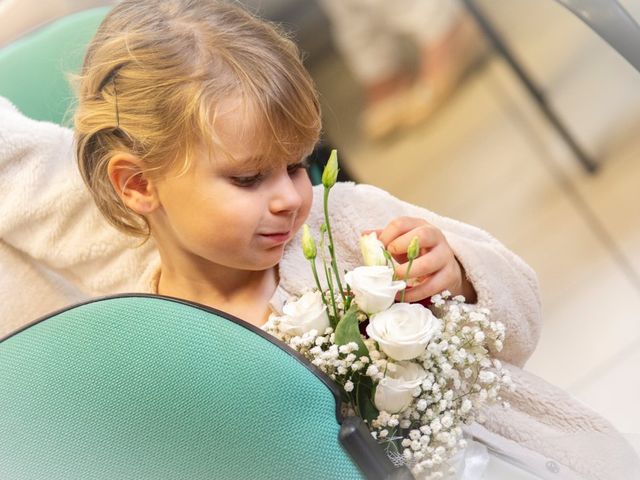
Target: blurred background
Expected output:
[469,142]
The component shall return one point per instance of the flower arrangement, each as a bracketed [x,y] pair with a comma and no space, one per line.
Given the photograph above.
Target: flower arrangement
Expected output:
[415,375]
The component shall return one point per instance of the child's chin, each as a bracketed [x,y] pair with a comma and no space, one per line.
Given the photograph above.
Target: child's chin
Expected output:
[267,263]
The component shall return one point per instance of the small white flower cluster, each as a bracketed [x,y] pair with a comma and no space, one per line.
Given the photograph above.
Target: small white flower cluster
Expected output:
[445,386]
[460,378]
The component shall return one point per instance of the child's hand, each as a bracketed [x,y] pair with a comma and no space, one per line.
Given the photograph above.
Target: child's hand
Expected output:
[435,269]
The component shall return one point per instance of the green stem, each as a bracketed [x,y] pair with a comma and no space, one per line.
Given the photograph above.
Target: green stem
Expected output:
[315,275]
[349,298]
[406,277]
[334,264]
[333,298]
[329,282]
[389,260]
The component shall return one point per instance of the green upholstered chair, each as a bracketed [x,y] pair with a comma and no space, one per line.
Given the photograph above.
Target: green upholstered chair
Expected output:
[149,387]
[34,67]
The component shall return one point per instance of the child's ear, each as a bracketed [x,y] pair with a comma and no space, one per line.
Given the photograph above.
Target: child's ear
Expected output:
[132,184]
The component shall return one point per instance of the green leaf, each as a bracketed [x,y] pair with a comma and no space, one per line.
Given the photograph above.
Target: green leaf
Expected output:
[366,394]
[348,331]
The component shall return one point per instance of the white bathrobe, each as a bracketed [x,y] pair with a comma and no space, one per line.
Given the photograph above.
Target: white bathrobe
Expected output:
[56,249]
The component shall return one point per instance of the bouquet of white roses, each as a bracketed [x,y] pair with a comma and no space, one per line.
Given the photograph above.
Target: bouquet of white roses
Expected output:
[414,374]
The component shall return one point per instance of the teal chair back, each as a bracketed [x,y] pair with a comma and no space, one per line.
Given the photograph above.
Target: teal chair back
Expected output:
[148,387]
[34,67]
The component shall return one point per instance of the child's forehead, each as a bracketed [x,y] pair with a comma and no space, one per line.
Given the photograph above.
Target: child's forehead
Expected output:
[241,138]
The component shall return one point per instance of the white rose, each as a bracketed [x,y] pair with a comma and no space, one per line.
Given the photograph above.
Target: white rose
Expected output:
[394,392]
[404,330]
[372,250]
[305,314]
[373,287]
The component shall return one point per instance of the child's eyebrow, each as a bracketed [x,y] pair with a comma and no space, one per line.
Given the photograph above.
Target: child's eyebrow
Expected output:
[255,163]
[230,164]
[249,163]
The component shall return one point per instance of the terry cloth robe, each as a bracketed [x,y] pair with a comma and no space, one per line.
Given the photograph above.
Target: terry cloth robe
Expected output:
[56,249]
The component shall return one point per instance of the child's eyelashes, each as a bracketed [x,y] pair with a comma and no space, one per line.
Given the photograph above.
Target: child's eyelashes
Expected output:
[254,180]
[247,181]
[304,164]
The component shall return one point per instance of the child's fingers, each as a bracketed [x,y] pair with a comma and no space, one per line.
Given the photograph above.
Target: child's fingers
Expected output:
[398,227]
[425,265]
[427,288]
[428,238]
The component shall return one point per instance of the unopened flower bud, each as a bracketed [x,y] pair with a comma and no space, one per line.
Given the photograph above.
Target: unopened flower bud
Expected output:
[414,249]
[372,250]
[308,245]
[330,173]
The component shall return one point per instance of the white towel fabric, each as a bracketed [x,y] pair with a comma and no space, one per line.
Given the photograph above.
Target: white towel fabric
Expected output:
[55,247]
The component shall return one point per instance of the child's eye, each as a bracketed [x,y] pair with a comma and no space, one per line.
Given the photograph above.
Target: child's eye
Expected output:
[247,181]
[293,168]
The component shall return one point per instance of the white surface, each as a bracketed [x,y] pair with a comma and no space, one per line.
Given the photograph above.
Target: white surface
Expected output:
[20,16]
[499,469]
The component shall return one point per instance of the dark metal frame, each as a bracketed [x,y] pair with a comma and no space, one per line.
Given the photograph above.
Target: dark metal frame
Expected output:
[607,18]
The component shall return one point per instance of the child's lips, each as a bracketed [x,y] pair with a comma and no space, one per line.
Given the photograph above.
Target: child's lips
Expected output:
[277,237]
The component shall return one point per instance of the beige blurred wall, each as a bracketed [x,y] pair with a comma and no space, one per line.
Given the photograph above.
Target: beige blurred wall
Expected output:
[18,17]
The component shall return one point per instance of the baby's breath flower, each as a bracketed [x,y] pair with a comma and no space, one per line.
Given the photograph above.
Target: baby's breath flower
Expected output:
[447,420]
[348,386]
[486,377]
[315,351]
[435,426]
[372,371]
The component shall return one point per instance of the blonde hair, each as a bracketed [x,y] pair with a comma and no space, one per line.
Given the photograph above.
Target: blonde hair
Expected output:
[154,75]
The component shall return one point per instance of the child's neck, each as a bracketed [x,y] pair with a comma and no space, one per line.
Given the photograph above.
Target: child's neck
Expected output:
[244,294]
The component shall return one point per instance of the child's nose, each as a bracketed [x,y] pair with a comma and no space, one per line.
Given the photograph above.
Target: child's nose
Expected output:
[286,196]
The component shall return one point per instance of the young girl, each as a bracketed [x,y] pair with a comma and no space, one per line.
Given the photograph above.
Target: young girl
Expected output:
[193,122]
[192,127]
